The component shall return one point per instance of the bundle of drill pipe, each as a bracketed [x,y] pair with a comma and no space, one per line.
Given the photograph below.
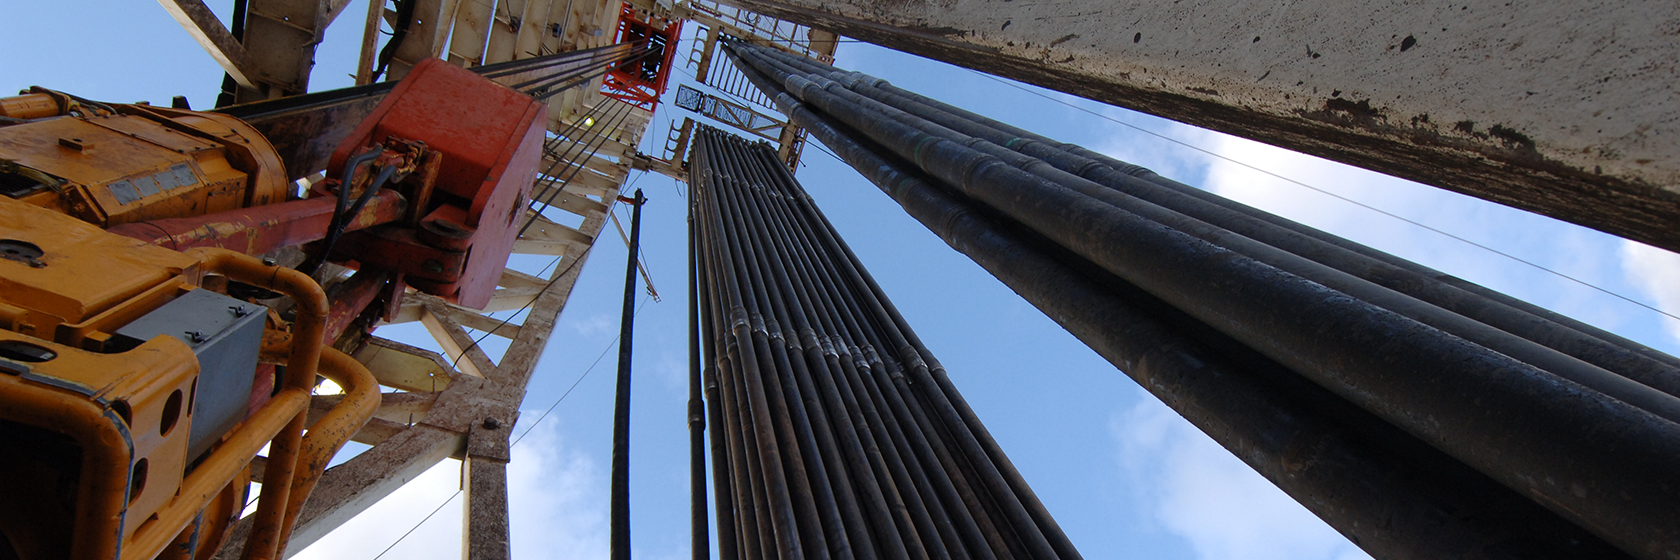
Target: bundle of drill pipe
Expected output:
[1420,415]
[835,434]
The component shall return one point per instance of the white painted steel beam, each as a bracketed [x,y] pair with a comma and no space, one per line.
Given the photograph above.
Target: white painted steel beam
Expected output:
[1569,109]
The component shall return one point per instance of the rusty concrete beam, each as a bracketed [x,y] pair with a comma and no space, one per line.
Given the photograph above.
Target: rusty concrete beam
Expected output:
[428,31]
[1567,109]
[440,321]
[281,36]
[214,37]
[484,513]
[405,367]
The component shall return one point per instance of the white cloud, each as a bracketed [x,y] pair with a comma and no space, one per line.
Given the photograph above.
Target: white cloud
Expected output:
[1268,192]
[1170,160]
[368,534]
[557,505]
[557,498]
[1199,491]
[596,325]
[1657,273]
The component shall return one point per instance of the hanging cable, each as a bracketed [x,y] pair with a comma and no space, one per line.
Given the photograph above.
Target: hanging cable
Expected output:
[399,32]
[577,166]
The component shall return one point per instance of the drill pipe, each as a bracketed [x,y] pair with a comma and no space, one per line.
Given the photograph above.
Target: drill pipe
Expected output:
[1602,349]
[1374,483]
[1598,461]
[929,517]
[699,545]
[894,469]
[1525,350]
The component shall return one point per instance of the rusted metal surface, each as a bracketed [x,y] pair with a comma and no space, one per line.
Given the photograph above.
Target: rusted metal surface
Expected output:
[333,429]
[491,148]
[306,131]
[1565,109]
[258,230]
[350,300]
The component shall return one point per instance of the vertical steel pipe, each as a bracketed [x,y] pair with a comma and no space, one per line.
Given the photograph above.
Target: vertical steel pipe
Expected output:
[620,510]
[1390,489]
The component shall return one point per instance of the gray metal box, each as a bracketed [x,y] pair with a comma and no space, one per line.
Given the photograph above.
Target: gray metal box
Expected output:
[225,334]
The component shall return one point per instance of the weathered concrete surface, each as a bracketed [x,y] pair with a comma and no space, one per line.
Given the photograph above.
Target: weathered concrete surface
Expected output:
[1567,108]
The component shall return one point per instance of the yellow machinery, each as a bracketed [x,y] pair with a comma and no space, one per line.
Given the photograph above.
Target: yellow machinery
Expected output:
[116,164]
[125,367]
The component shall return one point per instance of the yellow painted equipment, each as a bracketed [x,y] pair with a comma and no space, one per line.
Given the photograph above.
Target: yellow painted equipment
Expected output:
[116,164]
[136,452]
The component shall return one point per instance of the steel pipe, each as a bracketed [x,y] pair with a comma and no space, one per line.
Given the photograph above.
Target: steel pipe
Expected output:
[1404,496]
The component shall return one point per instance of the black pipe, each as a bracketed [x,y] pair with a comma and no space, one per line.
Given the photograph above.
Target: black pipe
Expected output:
[997,542]
[1453,394]
[1588,343]
[723,483]
[699,544]
[824,92]
[913,443]
[827,359]
[1612,353]
[1017,512]
[1390,510]
[811,503]
[620,510]
[911,502]
[848,525]
[821,341]
[863,366]
[859,434]
[747,330]
[749,497]
[879,496]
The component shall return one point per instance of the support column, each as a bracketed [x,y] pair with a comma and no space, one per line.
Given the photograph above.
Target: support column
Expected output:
[485,525]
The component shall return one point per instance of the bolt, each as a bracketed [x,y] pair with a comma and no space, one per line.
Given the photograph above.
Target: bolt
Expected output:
[269,262]
[491,423]
[238,310]
[196,336]
[36,263]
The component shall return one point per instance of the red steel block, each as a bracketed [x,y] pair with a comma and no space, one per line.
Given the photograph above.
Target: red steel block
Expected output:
[491,139]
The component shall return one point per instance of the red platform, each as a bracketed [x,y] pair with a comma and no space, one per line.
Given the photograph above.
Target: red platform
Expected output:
[640,81]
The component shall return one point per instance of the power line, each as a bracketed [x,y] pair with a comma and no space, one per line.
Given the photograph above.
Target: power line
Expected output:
[1336,196]
[417,525]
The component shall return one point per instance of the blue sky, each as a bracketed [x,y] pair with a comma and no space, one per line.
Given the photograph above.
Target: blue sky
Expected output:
[1125,477]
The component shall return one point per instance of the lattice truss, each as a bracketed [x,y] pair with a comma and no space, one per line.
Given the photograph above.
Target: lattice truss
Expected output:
[460,403]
